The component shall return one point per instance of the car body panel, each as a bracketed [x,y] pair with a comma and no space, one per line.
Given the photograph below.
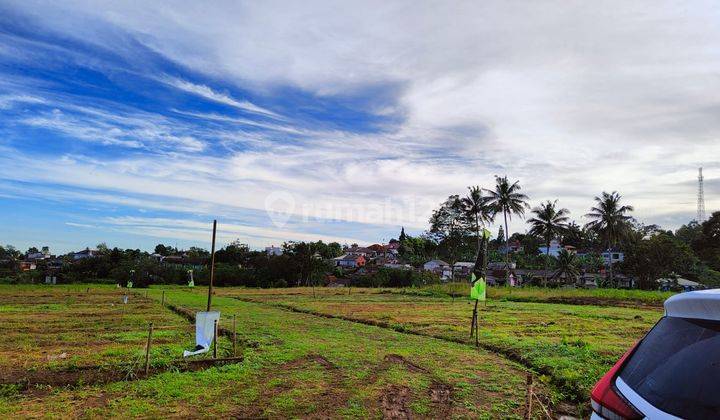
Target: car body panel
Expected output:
[647,409]
[701,304]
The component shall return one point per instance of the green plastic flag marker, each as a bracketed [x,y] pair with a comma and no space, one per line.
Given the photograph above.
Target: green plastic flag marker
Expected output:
[478,289]
[191,283]
[129,285]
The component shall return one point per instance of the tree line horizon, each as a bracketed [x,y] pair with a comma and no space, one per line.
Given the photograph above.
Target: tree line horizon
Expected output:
[692,251]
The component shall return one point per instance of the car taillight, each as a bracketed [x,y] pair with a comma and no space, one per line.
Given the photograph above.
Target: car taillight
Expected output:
[607,401]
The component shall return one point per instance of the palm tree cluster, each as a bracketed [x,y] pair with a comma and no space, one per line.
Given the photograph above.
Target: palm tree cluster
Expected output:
[548,223]
[476,208]
[460,216]
[610,221]
[507,199]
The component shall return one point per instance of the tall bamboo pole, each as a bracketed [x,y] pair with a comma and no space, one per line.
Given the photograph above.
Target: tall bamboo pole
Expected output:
[212,267]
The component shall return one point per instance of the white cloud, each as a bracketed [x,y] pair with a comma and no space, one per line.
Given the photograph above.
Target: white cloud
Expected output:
[199,231]
[81,225]
[223,98]
[7,101]
[572,98]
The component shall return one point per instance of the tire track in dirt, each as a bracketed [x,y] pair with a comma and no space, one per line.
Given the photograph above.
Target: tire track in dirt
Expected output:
[502,352]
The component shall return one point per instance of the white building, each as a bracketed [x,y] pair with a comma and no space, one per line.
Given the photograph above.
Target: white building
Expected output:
[613,256]
[439,267]
[273,250]
[555,249]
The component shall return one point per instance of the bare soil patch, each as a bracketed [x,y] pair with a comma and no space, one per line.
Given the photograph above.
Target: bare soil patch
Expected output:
[394,402]
[86,375]
[412,367]
[441,397]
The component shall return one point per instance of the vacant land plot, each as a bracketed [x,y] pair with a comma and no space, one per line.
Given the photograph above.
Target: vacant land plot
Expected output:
[67,334]
[601,297]
[295,365]
[570,345]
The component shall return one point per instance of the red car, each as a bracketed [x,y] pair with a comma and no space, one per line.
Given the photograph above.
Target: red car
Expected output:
[674,371]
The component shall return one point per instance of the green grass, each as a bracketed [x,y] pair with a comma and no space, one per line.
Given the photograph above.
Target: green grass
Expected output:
[303,366]
[605,297]
[572,345]
[65,327]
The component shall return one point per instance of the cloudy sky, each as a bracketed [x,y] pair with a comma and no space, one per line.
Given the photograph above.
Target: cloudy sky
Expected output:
[138,122]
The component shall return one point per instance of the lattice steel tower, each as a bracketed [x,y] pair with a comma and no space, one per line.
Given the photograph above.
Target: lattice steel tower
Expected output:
[700,198]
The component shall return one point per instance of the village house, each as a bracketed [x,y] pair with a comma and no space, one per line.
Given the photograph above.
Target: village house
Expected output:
[513,245]
[85,253]
[439,267]
[556,248]
[613,256]
[273,250]
[27,265]
[184,261]
[360,251]
[393,247]
[463,269]
[350,261]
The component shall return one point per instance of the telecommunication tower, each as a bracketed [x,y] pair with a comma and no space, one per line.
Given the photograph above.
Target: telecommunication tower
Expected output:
[700,198]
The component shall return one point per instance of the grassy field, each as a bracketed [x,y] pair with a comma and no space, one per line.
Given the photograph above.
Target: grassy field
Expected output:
[599,297]
[569,345]
[295,364]
[54,329]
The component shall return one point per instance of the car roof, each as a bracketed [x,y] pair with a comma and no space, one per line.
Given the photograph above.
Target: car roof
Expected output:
[701,304]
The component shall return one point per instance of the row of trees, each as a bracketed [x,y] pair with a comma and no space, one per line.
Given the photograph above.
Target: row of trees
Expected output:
[651,252]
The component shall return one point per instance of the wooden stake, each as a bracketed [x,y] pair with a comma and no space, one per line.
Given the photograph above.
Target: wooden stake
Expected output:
[163,299]
[212,267]
[477,342]
[528,396]
[215,341]
[474,319]
[147,349]
[88,290]
[234,336]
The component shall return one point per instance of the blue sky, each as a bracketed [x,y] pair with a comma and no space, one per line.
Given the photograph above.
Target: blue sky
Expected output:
[138,123]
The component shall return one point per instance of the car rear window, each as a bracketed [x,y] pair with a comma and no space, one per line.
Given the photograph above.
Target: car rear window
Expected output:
[676,367]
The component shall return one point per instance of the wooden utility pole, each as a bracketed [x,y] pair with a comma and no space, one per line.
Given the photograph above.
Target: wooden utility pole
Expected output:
[212,266]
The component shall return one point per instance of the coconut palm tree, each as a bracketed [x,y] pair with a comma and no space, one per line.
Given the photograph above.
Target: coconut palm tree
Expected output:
[549,222]
[610,221]
[567,266]
[508,199]
[477,210]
